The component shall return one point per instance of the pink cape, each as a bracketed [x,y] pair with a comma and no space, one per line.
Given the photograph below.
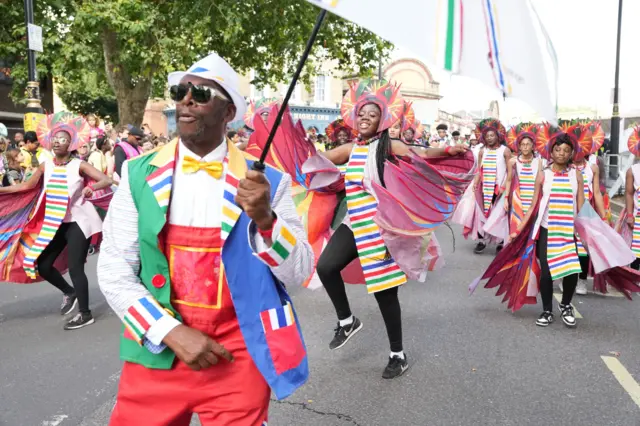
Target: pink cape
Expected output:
[609,252]
[469,214]
[419,195]
[497,224]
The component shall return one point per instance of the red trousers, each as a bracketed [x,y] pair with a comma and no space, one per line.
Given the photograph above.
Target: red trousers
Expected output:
[226,394]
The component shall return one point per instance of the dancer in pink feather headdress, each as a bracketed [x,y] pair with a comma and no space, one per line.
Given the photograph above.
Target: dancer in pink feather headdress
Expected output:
[396,196]
[48,216]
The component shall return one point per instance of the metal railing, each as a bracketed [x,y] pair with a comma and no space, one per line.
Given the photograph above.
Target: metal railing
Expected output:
[615,173]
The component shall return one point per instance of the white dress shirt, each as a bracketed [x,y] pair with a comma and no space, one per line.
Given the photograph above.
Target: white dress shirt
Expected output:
[188,193]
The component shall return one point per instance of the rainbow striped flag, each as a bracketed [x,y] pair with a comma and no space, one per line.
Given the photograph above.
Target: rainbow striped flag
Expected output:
[56,200]
[489,177]
[561,247]
[380,270]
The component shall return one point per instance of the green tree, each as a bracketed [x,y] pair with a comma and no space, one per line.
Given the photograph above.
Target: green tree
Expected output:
[138,42]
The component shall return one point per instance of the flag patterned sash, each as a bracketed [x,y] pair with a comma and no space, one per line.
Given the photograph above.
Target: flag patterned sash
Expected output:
[489,177]
[635,242]
[380,270]
[561,246]
[56,200]
[587,193]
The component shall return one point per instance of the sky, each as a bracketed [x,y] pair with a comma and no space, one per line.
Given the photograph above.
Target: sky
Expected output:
[583,33]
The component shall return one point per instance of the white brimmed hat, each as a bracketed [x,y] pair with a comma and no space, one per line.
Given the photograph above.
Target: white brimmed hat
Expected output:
[214,68]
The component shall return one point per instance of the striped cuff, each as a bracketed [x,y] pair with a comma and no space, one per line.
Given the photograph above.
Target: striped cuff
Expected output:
[140,316]
[283,243]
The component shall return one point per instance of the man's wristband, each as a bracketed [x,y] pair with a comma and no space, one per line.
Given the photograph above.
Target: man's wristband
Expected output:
[267,233]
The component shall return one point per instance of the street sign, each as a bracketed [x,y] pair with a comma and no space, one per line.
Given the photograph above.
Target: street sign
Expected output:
[31,120]
[619,96]
[35,37]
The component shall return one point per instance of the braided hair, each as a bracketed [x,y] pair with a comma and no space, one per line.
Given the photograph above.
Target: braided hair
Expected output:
[383,153]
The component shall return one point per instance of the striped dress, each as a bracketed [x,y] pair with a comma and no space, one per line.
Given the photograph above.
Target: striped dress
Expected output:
[489,177]
[380,270]
[561,247]
[56,201]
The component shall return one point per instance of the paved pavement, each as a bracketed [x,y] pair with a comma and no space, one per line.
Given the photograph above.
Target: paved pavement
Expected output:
[472,361]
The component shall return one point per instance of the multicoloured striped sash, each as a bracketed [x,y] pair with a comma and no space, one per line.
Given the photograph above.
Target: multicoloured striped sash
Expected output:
[380,270]
[56,200]
[527,182]
[561,246]
[635,242]
[489,177]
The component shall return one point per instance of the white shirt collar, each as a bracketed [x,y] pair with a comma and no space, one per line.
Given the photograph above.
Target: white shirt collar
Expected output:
[217,154]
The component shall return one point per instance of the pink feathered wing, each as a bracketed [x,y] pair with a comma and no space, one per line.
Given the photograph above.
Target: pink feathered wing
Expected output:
[609,254]
[419,195]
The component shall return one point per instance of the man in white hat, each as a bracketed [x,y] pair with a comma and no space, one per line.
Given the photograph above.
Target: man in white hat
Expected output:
[196,250]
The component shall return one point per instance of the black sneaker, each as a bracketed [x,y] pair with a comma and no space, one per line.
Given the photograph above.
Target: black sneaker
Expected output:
[69,302]
[396,367]
[343,334]
[545,319]
[499,247]
[82,319]
[479,248]
[568,316]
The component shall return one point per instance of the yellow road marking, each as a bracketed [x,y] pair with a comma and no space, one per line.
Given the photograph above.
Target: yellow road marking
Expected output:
[625,379]
[558,297]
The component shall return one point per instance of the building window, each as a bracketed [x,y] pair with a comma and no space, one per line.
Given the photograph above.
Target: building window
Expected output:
[256,93]
[296,96]
[321,89]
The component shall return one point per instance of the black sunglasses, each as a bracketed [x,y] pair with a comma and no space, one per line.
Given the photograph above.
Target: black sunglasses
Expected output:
[200,94]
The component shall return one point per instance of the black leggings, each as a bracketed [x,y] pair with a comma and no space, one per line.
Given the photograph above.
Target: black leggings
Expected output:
[584,264]
[71,236]
[338,253]
[636,264]
[569,282]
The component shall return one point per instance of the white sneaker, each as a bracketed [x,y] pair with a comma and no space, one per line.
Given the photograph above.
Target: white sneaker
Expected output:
[581,289]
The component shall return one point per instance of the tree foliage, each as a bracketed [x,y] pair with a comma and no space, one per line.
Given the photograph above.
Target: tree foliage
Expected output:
[122,50]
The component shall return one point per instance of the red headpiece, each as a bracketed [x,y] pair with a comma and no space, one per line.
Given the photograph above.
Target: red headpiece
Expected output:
[257,108]
[519,132]
[597,134]
[76,126]
[408,119]
[379,92]
[335,127]
[634,141]
[490,124]
[579,134]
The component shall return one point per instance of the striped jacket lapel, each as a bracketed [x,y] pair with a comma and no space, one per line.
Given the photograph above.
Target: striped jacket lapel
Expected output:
[236,170]
[161,180]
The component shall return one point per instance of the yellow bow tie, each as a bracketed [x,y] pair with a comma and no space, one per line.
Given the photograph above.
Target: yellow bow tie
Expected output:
[213,168]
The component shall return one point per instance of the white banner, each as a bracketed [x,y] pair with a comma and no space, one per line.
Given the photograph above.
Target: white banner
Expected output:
[494,41]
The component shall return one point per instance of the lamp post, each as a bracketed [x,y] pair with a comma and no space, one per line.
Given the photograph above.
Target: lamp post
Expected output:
[33,86]
[615,115]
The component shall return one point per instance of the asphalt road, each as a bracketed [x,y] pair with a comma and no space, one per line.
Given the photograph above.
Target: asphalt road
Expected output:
[472,361]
